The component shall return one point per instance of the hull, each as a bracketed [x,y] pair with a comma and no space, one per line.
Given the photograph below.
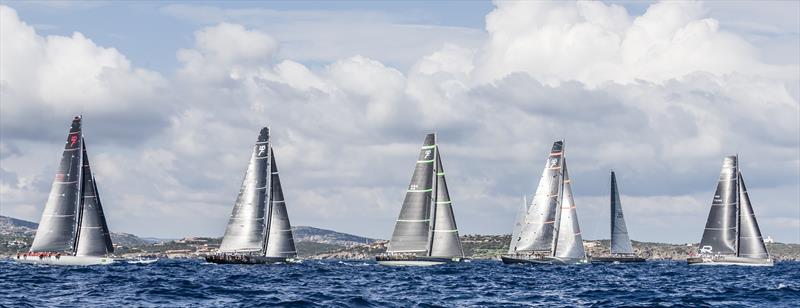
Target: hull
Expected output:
[541,260]
[416,260]
[245,259]
[618,259]
[66,260]
[725,260]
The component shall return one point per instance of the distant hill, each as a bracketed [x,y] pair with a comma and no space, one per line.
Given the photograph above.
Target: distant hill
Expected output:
[7,223]
[317,235]
[23,231]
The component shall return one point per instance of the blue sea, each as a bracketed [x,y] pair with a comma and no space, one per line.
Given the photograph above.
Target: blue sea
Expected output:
[193,283]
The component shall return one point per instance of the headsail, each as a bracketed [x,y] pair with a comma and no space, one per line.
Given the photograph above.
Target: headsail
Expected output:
[246,228]
[445,241]
[720,231]
[413,224]
[280,242]
[620,242]
[751,245]
[570,241]
[518,222]
[58,226]
[538,230]
[94,239]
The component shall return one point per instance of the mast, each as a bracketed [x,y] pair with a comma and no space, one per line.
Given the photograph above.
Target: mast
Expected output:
[412,230]
[620,242]
[58,225]
[559,202]
[81,192]
[280,241]
[719,236]
[538,228]
[268,200]
[434,194]
[246,228]
[738,205]
[445,241]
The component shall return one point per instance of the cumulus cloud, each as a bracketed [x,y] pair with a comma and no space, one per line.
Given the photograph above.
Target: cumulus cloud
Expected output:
[659,97]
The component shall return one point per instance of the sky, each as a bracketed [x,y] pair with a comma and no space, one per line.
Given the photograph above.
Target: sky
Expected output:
[173,95]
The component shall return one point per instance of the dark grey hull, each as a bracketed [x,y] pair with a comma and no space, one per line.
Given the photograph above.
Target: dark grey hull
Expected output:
[617,259]
[245,259]
[540,260]
[729,260]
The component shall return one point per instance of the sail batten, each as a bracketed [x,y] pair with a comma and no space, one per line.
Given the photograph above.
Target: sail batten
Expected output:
[620,241]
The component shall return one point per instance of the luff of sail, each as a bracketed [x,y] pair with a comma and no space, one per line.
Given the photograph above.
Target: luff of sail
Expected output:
[246,227]
[412,229]
[518,222]
[751,245]
[93,239]
[539,227]
[570,241]
[280,242]
[620,242]
[58,226]
[445,241]
[719,236]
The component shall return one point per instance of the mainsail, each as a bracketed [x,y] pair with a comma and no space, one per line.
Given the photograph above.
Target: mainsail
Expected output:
[246,227]
[445,241]
[259,222]
[73,219]
[539,226]
[751,245]
[720,233]
[413,224]
[570,241]
[93,239]
[620,242]
[280,242]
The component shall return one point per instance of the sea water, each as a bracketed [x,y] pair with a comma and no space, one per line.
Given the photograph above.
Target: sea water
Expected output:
[179,283]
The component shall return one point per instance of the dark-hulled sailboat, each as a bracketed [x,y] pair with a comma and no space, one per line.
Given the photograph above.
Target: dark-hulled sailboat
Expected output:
[259,230]
[621,248]
[549,233]
[73,229]
[732,235]
[425,232]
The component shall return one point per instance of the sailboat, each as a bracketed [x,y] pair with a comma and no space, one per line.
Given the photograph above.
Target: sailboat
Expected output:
[621,249]
[732,236]
[426,232]
[73,229]
[259,230]
[549,233]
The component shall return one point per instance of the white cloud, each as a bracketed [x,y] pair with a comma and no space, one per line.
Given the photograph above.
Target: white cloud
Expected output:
[659,97]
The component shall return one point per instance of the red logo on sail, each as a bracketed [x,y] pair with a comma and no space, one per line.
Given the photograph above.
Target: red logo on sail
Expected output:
[73,139]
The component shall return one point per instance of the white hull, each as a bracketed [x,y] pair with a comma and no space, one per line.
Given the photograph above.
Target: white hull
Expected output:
[67,260]
[410,263]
